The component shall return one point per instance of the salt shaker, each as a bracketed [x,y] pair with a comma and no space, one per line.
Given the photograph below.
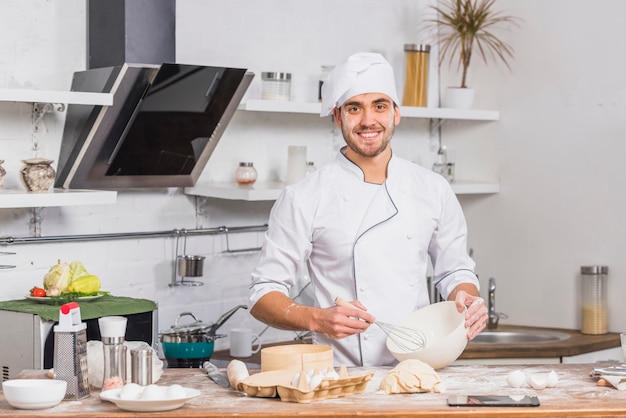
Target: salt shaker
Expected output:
[141,366]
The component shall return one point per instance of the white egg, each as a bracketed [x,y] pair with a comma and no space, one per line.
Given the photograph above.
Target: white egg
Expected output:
[131,391]
[331,374]
[516,379]
[552,379]
[315,381]
[153,393]
[294,379]
[176,392]
[538,381]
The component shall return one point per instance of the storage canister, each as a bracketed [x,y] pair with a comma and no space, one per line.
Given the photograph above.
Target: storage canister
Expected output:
[594,299]
[245,173]
[416,75]
[275,86]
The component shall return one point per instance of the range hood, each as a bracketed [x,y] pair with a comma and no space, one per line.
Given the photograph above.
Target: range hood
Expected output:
[163,126]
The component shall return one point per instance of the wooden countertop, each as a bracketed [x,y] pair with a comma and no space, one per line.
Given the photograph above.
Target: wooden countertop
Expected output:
[576,394]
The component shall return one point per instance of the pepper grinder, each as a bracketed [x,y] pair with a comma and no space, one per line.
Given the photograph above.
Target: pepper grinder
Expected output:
[112,331]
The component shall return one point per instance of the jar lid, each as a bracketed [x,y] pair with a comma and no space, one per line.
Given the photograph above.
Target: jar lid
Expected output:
[245,164]
[276,76]
[417,47]
[594,269]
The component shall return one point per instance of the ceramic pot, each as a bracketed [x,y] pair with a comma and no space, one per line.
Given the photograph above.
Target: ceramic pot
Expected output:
[459,98]
[37,174]
[3,173]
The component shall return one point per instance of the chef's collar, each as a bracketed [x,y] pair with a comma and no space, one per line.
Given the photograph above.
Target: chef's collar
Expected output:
[364,72]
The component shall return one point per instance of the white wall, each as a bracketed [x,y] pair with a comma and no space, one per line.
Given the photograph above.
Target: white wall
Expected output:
[556,149]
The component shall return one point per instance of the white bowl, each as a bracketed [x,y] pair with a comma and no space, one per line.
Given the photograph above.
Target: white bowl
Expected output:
[444,329]
[34,393]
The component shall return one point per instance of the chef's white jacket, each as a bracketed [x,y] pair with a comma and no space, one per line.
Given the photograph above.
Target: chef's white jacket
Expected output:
[368,242]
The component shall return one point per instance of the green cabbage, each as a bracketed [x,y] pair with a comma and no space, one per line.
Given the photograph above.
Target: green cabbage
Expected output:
[77,270]
[57,279]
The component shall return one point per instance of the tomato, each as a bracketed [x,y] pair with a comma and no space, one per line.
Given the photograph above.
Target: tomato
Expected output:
[38,292]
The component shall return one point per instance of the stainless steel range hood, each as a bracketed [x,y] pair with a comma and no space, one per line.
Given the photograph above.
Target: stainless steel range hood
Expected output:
[165,123]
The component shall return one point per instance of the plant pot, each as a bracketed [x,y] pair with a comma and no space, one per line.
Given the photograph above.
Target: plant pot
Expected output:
[459,98]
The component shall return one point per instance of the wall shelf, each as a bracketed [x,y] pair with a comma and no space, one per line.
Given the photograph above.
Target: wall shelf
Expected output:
[52,96]
[406,111]
[55,197]
[271,191]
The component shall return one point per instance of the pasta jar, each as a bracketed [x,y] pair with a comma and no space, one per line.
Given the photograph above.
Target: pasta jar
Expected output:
[594,299]
[416,75]
[245,173]
[275,86]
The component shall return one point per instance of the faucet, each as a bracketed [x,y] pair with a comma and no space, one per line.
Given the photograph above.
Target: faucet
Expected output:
[494,316]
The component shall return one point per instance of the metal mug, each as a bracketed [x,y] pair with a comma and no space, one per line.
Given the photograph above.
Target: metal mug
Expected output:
[190,265]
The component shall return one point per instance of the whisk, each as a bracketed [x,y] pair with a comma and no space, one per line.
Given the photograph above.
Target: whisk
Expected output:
[405,338]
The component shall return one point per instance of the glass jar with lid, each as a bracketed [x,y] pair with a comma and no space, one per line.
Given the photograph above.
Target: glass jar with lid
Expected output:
[594,299]
[275,86]
[245,173]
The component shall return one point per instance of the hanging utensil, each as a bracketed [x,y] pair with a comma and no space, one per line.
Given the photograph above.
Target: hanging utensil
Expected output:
[406,338]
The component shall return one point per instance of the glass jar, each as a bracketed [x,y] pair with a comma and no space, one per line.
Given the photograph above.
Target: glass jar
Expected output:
[416,75]
[310,167]
[275,86]
[326,69]
[245,173]
[594,299]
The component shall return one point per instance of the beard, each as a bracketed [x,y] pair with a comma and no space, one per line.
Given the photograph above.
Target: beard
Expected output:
[366,151]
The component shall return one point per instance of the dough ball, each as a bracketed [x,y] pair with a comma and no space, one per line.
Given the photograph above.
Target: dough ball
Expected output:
[412,376]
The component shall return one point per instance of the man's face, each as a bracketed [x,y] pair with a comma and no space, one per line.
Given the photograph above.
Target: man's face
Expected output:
[367,122]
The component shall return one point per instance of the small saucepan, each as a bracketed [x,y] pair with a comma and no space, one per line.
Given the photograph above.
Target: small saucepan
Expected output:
[193,340]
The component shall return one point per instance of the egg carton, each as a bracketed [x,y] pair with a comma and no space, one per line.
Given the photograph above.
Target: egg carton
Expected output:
[327,389]
[281,385]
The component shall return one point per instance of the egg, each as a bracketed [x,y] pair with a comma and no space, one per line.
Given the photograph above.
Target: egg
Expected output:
[316,379]
[552,379]
[516,379]
[331,374]
[153,393]
[175,392]
[295,379]
[131,391]
[538,381]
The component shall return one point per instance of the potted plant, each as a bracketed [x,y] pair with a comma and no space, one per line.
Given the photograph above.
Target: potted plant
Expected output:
[465,27]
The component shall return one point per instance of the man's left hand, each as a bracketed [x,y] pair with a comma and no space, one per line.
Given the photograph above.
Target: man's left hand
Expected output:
[476,316]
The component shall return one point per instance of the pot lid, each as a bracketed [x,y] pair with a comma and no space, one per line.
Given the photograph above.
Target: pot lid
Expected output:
[195,327]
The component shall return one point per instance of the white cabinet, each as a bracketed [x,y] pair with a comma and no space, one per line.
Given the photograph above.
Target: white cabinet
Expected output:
[270,191]
[56,197]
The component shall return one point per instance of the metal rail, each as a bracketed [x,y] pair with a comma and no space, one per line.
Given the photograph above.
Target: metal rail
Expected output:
[133,235]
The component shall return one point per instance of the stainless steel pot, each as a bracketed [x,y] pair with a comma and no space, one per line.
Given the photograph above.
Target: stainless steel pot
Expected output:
[193,340]
[190,265]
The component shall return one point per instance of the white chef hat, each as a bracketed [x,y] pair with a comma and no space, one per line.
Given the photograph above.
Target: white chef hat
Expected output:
[363,72]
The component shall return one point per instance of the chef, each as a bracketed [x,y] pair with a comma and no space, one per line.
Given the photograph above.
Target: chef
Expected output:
[364,227]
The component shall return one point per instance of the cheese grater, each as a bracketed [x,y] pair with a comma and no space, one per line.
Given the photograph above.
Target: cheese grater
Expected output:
[70,352]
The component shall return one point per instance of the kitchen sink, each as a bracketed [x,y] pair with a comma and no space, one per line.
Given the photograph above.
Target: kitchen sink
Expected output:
[518,337]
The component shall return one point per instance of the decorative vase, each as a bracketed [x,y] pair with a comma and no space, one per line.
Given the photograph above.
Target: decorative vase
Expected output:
[37,174]
[459,98]
[3,173]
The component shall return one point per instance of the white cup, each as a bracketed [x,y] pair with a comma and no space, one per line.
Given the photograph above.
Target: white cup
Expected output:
[241,342]
[296,163]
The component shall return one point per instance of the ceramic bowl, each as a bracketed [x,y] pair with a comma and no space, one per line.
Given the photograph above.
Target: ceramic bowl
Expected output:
[444,329]
[34,393]
[296,357]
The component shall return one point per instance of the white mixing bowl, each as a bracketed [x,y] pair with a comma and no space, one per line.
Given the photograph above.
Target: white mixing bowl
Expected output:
[34,393]
[444,329]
